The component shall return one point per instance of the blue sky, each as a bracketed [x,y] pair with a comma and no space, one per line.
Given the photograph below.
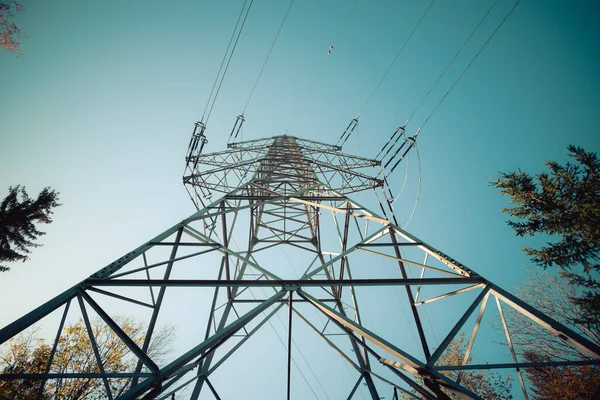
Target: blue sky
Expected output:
[101,104]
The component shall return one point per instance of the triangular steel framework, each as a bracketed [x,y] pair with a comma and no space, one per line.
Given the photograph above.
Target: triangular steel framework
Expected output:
[287,192]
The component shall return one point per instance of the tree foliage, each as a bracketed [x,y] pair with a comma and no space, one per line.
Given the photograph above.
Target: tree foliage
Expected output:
[18,216]
[487,384]
[563,203]
[29,354]
[9,31]
[550,383]
[553,296]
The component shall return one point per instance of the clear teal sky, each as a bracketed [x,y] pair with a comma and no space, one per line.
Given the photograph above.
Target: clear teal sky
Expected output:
[101,104]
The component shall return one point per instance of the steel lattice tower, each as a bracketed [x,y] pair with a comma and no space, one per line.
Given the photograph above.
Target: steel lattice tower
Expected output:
[257,201]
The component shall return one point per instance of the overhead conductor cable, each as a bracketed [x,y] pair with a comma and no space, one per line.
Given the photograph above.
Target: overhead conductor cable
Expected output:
[268,55]
[444,97]
[198,136]
[239,121]
[355,120]
[470,63]
[222,76]
[397,56]
[411,142]
[451,61]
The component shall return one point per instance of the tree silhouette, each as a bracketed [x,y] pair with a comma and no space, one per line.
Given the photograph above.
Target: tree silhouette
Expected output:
[29,354]
[565,205]
[18,215]
[489,385]
[553,296]
[9,31]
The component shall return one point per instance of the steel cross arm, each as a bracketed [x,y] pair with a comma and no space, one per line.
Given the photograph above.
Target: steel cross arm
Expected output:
[368,161]
[233,153]
[283,283]
[221,168]
[343,170]
[182,361]
[224,168]
[218,157]
[252,143]
[319,145]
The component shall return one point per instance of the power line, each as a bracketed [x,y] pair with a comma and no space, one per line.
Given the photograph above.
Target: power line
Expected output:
[451,61]
[470,63]
[397,56]
[390,141]
[403,184]
[268,55]
[348,132]
[230,57]
[418,188]
[318,74]
[223,60]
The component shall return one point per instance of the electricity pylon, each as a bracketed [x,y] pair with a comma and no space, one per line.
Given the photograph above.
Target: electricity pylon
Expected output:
[358,299]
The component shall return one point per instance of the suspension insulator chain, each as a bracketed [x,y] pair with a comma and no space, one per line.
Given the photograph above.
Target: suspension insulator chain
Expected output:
[391,141]
[239,121]
[349,129]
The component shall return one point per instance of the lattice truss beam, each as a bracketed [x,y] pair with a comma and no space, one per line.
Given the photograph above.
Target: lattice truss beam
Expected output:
[308,163]
[286,284]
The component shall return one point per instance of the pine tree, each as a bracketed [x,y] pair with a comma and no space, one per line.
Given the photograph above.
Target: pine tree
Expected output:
[18,215]
[565,205]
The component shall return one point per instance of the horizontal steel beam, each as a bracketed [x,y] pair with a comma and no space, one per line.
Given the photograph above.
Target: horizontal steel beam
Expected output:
[65,375]
[281,282]
[279,197]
